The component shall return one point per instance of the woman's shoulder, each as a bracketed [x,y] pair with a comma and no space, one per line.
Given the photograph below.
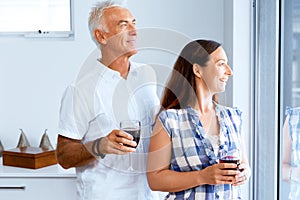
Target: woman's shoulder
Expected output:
[292,110]
[176,111]
[173,113]
[230,110]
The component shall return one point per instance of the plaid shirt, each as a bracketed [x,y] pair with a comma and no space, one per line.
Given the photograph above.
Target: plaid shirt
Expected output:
[192,151]
[294,130]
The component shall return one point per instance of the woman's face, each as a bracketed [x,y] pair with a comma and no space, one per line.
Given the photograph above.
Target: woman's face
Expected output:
[217,71]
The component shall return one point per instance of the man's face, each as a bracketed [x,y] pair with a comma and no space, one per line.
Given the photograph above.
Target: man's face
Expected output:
[121,34]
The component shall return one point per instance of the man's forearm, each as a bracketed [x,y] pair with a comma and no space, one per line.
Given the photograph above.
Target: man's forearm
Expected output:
[72,153]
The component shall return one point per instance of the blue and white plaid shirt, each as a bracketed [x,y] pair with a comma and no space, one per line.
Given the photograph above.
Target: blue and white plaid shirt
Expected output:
[294,130]
[191,151]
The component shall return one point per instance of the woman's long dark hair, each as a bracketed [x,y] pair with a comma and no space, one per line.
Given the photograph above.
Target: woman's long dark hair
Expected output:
[180,90]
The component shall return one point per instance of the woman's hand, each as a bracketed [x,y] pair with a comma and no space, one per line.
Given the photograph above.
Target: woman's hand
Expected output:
[243,176]
[222,173]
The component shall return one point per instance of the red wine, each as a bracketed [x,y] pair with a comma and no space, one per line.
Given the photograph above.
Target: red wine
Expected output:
[135,133]
[230,160]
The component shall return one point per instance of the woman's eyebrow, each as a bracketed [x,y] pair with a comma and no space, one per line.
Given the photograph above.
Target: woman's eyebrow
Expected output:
[220,59]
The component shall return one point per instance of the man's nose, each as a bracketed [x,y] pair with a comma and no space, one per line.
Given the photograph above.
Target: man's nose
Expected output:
[132,29]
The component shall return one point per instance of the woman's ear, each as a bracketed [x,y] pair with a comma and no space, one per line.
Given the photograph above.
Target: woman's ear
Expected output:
[197,70]
[100,36]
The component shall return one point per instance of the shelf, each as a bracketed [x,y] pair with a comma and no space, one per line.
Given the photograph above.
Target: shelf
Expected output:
[53,171]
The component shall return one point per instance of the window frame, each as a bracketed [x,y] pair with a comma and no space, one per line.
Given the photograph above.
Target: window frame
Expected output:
[266,115]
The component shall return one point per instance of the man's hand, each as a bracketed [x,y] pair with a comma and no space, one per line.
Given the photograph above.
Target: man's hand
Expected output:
[113,143]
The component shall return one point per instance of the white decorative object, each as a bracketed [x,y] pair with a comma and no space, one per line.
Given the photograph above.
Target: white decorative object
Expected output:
[45,141]
[1,148]
[23,141]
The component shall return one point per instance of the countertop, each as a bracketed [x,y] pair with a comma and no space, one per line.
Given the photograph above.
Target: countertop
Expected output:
[55,171]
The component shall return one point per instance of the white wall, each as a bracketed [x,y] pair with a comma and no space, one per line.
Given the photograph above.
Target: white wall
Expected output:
[34,72]
[237,38]
[33,75]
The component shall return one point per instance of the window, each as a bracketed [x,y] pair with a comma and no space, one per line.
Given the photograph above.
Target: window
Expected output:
[290,93]
[277,47]
[266,130]
[35,17]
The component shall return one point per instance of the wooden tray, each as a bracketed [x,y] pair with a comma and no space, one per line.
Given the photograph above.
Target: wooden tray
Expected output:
[29,157]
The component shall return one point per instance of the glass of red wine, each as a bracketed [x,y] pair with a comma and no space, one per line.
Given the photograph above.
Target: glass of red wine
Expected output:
[133,127]
[232,156]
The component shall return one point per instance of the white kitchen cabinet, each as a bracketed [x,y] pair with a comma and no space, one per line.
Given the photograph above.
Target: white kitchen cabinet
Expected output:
[47,183]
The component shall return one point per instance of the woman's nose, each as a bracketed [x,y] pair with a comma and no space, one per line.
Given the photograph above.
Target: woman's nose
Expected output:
[229,71]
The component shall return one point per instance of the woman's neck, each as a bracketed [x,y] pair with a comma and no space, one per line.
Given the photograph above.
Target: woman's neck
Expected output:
[204,105]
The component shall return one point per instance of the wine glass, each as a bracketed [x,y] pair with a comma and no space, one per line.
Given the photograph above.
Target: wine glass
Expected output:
[232,156]
[133,127]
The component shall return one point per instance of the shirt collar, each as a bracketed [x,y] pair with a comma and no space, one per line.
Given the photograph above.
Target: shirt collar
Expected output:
[193,112]
[109,74]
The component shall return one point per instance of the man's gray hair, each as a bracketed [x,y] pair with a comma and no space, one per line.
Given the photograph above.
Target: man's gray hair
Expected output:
[95,18]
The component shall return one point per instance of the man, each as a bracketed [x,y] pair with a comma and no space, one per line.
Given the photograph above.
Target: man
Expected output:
[106,92]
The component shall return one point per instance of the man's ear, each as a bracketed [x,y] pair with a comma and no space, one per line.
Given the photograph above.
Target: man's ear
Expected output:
[197,70]
[100,36]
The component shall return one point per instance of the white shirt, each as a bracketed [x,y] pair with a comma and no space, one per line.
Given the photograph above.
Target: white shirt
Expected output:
[91,108]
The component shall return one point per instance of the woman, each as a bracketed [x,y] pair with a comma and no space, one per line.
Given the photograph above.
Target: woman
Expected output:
[291,151]
[193,131]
